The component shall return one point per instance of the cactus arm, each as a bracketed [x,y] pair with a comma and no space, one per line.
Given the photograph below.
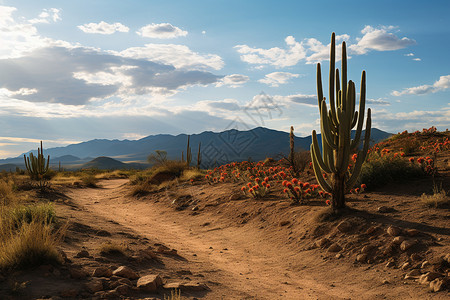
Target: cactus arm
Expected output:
[319,86]
[344,72]
[326,129]
[331,79]
[317,172]
[354,120]
[362,103]
[316,153]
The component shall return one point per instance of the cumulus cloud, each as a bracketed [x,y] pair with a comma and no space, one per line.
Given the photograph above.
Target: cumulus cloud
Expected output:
[417,59]
[442,84]
[380,39]
[179,56]
[233,80]
[278,57]
[276,78]
[47,16]
[309,100]
[78,75]
[225,105]
[378,102]
[312,50]
[103,28]
[161,31]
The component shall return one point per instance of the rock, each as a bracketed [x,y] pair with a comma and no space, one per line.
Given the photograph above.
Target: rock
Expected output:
[384,209]
[82,253]
[390,264]
[191,286]
[234,197]
[405,266]
[71,293]
[94,286]
[367,248]
[412,232]
[439,284]
[398,239]
[107,295]
[447,258]
[124,271]
[322,242]
[344,226]
[371,230]
[122,289]
[149,283]
[425,264]
[361,258]
[339,255]
[78,273]
[102,272]
[406,244]
[285,222]
[394,231]
[165,250]
[414,274]
[334,248]
[385,281]
[430,276]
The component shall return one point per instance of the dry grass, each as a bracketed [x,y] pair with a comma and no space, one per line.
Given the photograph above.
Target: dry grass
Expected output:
[193,174]
[439,198]
[174,295]
[89,180]
[111,247]
[6,192]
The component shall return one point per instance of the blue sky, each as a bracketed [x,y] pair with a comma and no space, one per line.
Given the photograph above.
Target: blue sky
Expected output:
[72,71]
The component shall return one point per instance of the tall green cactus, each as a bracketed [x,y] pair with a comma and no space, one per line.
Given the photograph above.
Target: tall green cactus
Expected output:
[188,153]
[336,125]
[37,166]
[291,146]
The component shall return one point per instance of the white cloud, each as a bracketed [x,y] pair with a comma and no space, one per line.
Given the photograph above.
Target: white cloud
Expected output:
[179,56]
[233,80]
[103,28]
[378,101]
[417,59]
[320,52]
[442,84]
[46,16]
[380,39]
[409,54]
[277,57]
[161,31]
[276,78]
[309,100]
[212,106]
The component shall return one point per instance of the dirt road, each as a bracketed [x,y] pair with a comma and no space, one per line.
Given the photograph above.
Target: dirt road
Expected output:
[238,262]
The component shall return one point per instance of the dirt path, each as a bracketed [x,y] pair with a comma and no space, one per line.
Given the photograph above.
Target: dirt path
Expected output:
[237,262]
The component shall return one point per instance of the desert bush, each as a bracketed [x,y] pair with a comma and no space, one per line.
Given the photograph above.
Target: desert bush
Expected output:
[192,174]
[20,214]
[111,247]
[158,158]
[380,169]
[439,198]
[6,191]
[90,180]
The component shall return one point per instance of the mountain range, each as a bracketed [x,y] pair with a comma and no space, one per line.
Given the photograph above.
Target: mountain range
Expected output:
[216,148]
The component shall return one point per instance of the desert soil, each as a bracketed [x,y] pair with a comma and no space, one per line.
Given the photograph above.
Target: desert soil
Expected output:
[227,246]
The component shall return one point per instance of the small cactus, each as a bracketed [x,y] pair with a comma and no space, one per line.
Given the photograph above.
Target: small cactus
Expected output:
[37,166]
[188,153]
[199,156]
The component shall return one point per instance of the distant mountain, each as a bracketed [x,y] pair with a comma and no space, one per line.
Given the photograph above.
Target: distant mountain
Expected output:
[216,147]
[107,163]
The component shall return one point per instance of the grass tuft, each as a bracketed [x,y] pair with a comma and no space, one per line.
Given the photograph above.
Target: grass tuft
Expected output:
[111,247]
[438,199]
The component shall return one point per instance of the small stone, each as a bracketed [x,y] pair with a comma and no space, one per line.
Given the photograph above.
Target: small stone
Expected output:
[412,232]
[285,222]
[94,286]
[122,289]
[425,264]
[439,284]
[78,273]
[191,286]
[406,244]
[344,226]
[82,253]
[390,264]
[414,274]
[398,240]
[334,248]
[384,209]
[361,258]
[149,283]
[385,281]
[447,258]
[394,231]
[367,248]
[234,197]
[430,276]
[339,255]
[102,272]
[124,271]
[371,230]
[405,266]
[322,242]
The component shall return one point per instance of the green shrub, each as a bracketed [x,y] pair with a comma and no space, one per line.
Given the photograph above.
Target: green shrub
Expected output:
[381,169]
[89,180]
[27,213]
